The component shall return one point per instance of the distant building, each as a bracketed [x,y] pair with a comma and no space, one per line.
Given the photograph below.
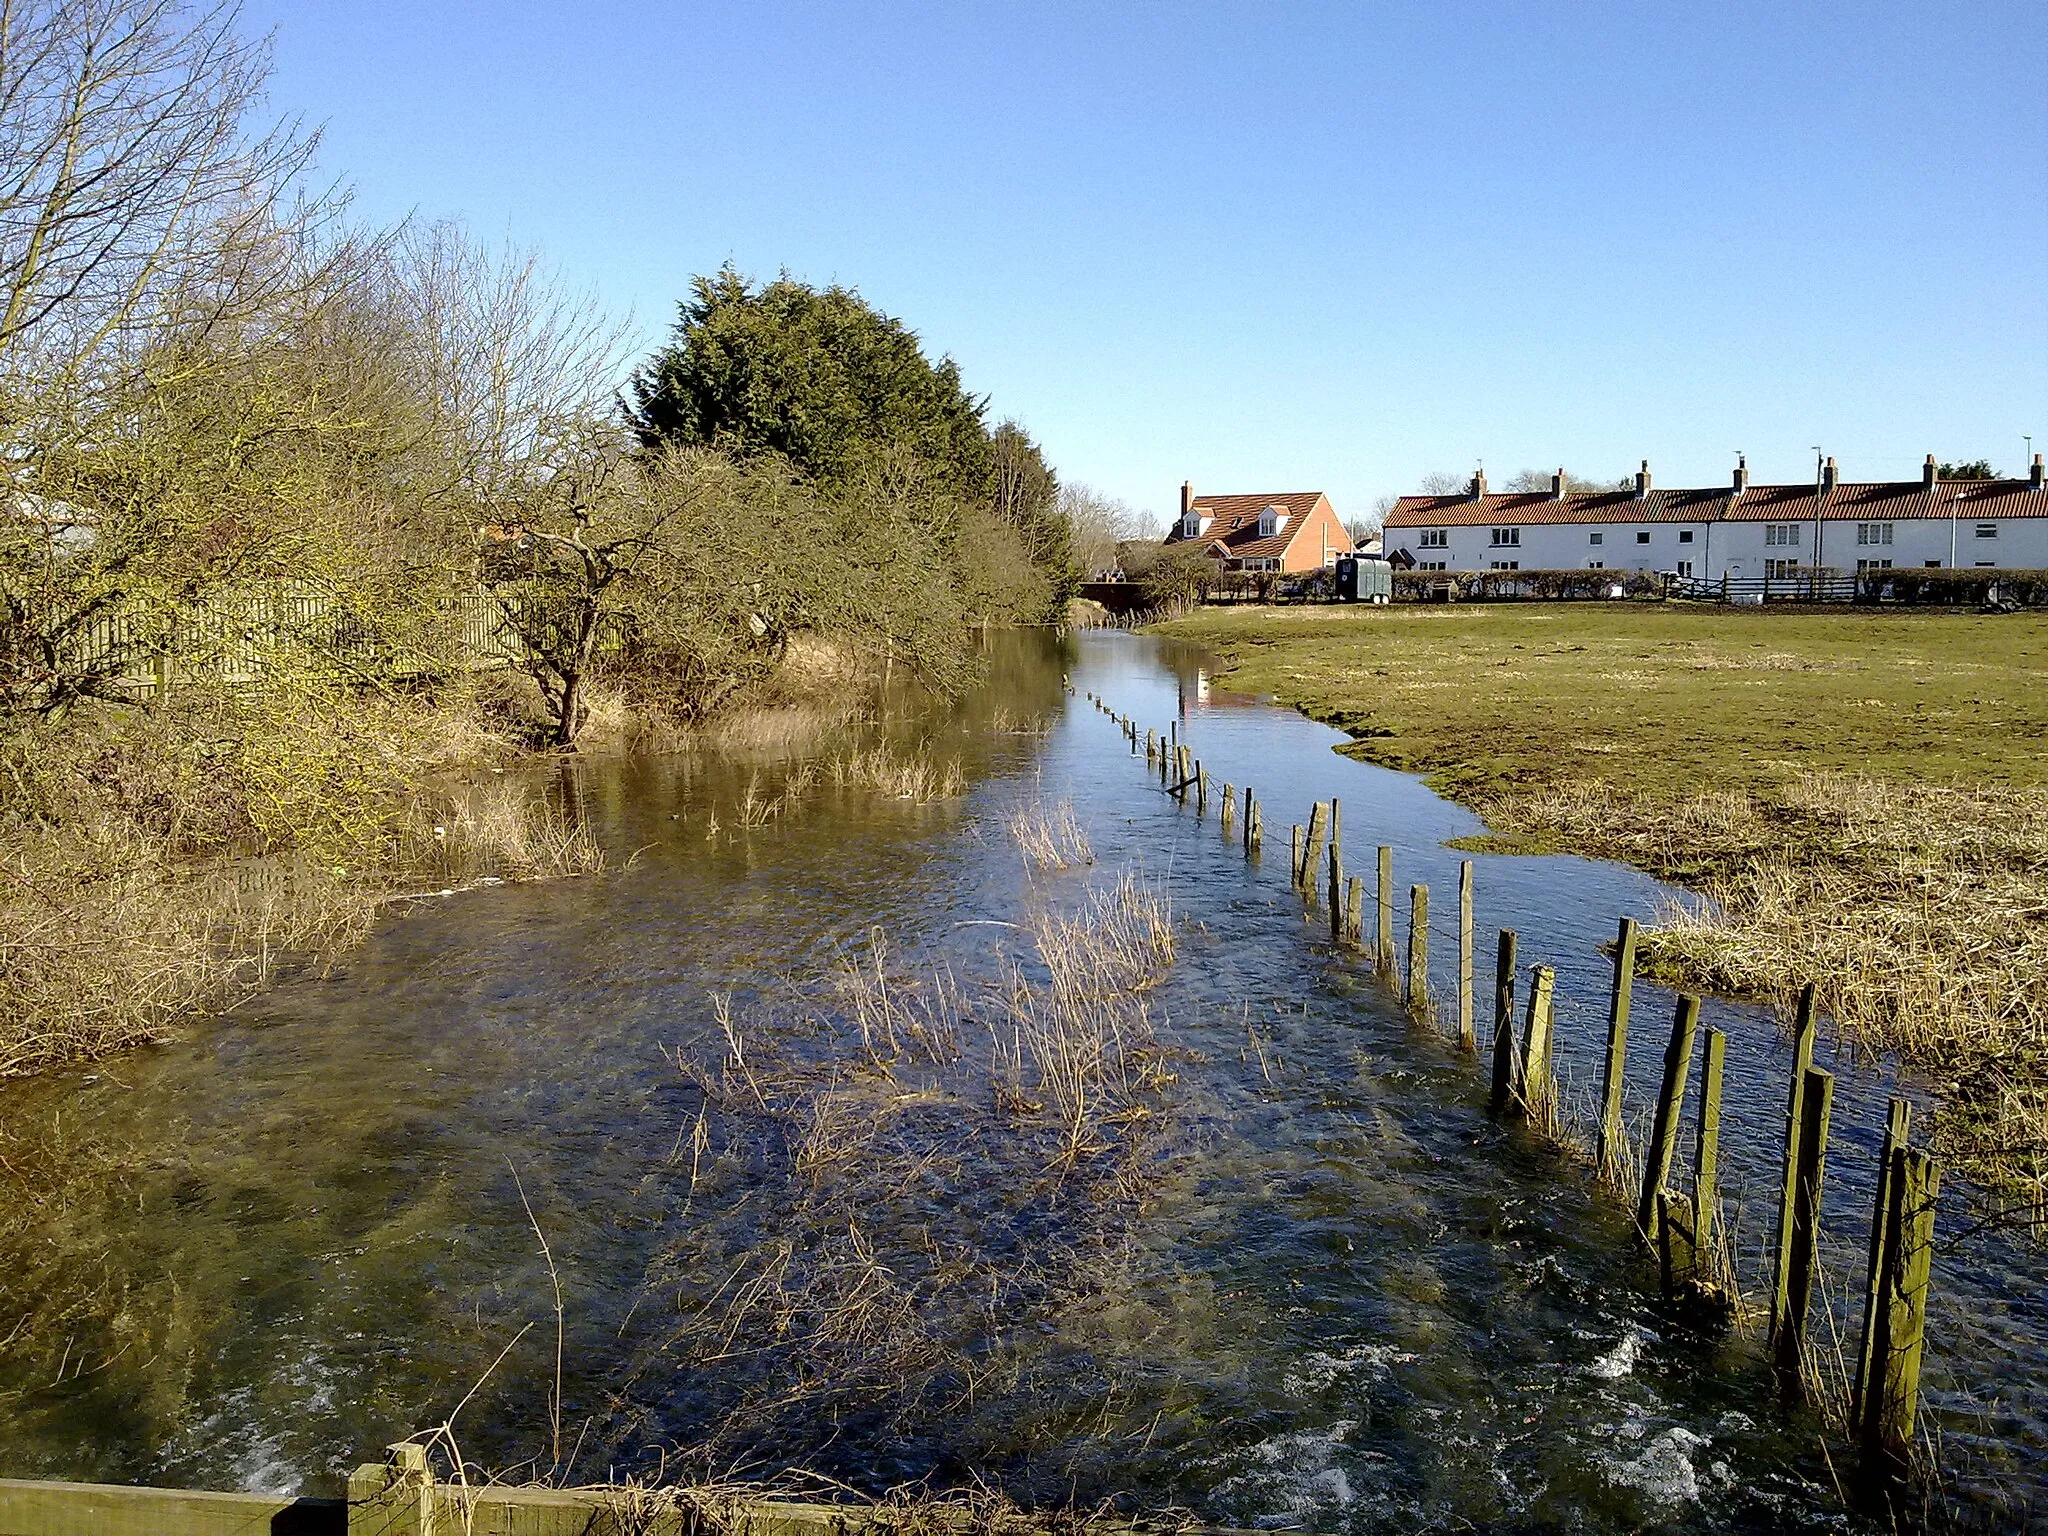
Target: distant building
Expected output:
[1288,531]
[1739,530]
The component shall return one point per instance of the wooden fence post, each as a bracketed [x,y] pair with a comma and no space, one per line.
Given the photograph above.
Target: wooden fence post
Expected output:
[1254,823]
[1536,1088]
[1504,1021]
[1670,1104]
[1312,850]
[1418,951]
[1895,1400]
[1802,1058]
[1706,1152]
[1151,748]
[1612,1129]
[1336,891]
[1228,815]
[1201,790]
[1898,1127]
[1678,1252]
[1294,853]
[1383,947]
[1795,1284]
[1467,1039]
[1354,912]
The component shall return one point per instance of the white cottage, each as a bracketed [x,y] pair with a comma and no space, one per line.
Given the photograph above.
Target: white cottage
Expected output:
[1740,531]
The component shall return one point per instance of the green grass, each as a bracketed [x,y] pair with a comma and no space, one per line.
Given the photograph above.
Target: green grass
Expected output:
[1664,699]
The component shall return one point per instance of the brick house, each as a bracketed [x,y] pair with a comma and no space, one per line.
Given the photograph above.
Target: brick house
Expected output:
[1287,531]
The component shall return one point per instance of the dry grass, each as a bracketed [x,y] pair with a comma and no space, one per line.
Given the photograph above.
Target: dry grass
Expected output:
[1921,912]
[917,776]
[871,1205]
[1050,836]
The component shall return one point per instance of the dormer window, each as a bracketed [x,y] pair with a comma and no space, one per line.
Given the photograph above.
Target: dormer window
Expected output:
[1190,526]
[1271,521]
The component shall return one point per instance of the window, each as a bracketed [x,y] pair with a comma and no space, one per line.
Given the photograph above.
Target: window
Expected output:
[1932,565]
[1685,535]
[1271,521]
[1987,530]
[1596,565]
[1507,565]
[1988,564]
[1685,568]
[1190,526]
[1776,568]
[1642,535]
[1781,533]
[1598,537]
[1435,538]
[1430,565]
[1873,565]
[1873,533]
[1507,538]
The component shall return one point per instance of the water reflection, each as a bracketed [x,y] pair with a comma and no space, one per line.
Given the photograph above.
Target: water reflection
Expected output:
[1352,1301]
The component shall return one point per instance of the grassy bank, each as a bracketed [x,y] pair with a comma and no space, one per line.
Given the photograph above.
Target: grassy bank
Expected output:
[1864,796]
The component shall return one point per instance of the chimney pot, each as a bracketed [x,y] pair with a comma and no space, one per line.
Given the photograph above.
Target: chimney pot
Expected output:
[1828,475]
[1557,485]
[2034,473]
[1479,485]
[1741,473]
[1187,497]
[1929,473]
[1643,479]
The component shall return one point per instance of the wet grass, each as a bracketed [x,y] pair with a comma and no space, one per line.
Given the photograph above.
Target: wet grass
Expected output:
[1862,796]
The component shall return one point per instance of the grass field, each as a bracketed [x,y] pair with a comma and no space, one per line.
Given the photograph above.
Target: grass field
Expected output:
[1864,795]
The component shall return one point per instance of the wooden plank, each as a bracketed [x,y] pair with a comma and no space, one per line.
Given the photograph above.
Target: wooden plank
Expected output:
[1504,1022]
[1670,1104]
[1607,1156]
[1468,1040]
[29,1508]
[1802,1058]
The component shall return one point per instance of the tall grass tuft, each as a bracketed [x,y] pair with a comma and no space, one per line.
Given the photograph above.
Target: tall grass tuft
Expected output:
[918,776]
[1050,837]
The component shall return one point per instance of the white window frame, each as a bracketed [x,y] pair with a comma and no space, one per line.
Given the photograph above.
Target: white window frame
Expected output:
[1781,535]
[1598,536]
[1506,538]
[1868,534]
[1642,535]
[1434,538]
[1987,531]
[1506,565]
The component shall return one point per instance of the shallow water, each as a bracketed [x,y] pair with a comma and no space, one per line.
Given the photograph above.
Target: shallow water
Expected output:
[1356,1305]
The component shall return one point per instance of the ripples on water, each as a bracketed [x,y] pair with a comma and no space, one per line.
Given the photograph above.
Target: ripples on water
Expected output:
[1348,1300]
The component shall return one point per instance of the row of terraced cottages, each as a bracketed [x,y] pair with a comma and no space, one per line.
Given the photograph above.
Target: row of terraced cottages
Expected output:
[1739,531]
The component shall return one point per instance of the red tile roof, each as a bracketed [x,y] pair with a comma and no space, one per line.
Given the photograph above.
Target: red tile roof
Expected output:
[1900,499]
[1234,521]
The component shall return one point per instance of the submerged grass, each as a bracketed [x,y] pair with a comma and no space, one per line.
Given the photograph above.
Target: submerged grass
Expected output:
[1050,837]
[1861,799]
[918,775]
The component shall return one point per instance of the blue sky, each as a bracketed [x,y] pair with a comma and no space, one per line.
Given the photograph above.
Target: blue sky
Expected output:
[1280,247]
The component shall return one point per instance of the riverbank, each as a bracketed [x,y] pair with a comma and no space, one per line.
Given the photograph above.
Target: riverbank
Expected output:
[1862,797]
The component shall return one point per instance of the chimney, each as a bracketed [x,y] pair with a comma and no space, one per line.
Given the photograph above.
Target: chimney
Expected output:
[1187,497]
[1741,473]
[1557,485]
[1643,480]
[1479,485]
[1827,477]
[1929,474]
[2034,474]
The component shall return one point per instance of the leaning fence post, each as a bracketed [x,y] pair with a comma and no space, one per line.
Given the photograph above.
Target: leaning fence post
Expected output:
[1611,1129]
[1467,1040]
[1504,1021]
[1898,1126]
[1312,850]
[1706,1155]
[1802,1058]
[1670,1104]
[1916,1183]
[1536,1087]
[1418,951]
[1294,852]
[1383,948]
[1795,1285]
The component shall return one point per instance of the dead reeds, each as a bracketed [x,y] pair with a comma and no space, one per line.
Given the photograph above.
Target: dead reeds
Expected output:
[1050,837]
[917,776]
[1919,911]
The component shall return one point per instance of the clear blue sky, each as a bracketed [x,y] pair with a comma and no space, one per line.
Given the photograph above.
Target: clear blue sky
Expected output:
[1275,247]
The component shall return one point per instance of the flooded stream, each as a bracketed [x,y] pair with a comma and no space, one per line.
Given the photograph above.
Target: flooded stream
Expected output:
[1343,1299]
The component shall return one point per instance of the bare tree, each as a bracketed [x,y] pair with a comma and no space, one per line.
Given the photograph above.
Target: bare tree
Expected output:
[1101,524]
[124,165]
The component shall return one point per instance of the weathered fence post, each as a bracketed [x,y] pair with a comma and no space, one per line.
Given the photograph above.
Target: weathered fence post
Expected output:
[1898,1126]
[1895,1380]
[1535,1086]
[1418,951]
[1354,912]
[1467,1039]
[1312,850]
[1802,1058]
[1254,823]
[1612,1130]
[1228,815]
[1706,1152]
[1504,1021]
[1336,891]
[1670,1104]
[1383,946]
[1201,790]
[1151,747]
[1294,853]
[1678,1253]
[1795,1284]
